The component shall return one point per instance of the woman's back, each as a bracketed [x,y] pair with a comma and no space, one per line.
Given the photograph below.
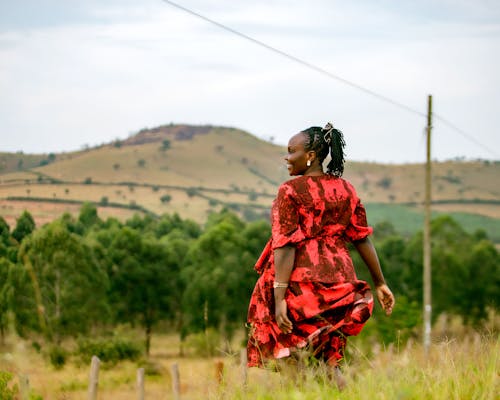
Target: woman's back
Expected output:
[318,214]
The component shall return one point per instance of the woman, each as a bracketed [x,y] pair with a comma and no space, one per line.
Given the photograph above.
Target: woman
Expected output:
[308,295]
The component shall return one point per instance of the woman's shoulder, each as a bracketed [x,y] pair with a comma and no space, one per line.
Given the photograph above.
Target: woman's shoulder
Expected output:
[294,184]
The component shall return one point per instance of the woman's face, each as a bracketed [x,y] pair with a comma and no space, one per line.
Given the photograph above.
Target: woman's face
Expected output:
[296,159]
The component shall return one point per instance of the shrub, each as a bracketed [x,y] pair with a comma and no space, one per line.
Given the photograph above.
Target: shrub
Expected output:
[165,145]
[109,350]
[165,198]
[151,368]
[204,344]
[58,357]
[385,182]
[7,391]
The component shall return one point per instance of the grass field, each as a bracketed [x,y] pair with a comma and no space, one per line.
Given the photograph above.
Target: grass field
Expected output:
[454,369]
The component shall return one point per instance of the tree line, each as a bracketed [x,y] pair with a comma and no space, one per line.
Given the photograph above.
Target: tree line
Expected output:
[81,276]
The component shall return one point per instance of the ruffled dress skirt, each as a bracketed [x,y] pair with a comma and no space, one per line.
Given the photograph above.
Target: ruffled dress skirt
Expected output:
[323,316]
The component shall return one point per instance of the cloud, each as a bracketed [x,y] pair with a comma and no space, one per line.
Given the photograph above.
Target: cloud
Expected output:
[115,68]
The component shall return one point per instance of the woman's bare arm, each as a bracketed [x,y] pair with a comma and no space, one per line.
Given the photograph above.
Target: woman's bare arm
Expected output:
[284,258]
[368,253]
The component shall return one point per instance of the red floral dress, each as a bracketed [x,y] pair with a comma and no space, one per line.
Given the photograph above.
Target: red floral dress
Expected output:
[326,302]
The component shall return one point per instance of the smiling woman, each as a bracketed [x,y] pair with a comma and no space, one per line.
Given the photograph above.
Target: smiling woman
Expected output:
[308,295]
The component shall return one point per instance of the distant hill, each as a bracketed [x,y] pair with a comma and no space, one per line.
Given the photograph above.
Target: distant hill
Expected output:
[193,170]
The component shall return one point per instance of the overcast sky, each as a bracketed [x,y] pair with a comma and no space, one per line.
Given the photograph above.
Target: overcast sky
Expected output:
[85,72]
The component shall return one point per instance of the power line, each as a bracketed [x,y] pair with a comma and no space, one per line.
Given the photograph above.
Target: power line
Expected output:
[466,135]
[327,73]
[297,60]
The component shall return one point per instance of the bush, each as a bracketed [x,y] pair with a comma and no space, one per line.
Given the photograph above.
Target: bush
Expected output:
[58,357]
[151,368]
[165,198]
[7,391]
[204,344]
[109,350]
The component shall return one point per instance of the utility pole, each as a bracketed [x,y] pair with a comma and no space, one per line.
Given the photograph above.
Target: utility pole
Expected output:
[427,235]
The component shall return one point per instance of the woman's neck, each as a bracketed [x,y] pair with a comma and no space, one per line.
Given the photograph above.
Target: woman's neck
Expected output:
[314,171]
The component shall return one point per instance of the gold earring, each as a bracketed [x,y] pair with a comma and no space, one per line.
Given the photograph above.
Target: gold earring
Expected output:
[308,163]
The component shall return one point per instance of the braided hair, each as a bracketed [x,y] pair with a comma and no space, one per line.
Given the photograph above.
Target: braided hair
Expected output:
[327,140]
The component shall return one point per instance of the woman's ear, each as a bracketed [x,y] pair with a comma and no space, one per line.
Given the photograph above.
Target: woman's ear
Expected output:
[311,155]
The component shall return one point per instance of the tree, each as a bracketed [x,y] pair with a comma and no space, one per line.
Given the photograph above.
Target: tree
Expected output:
[4,232]
[464,271]
[141,277]
[167,223]
[481,276]
[166,198]
[88,215]
[25,226]
[5,295]
[218,270]
[59,285]
[165,145]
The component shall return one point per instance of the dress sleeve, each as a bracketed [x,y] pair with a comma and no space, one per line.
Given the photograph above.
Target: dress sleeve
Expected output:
[358,226]
[285,219]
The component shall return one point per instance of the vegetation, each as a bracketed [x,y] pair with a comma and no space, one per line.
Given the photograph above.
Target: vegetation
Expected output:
[150,288]
[83,275]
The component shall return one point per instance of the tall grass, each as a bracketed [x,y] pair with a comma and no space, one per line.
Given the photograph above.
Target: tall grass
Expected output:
[454,369]
[466,369]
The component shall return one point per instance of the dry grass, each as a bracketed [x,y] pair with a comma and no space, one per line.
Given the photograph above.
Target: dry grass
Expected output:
[465,369]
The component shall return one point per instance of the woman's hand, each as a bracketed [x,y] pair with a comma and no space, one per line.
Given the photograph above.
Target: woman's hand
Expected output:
[385,298]
[281,316]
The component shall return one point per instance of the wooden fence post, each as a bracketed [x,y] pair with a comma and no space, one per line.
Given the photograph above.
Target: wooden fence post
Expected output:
[24,384]
[219,372]
[176,386]
[244,369]
[140,384]
[94,378]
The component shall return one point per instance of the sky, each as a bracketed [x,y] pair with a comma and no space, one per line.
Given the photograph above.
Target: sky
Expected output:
[76,73]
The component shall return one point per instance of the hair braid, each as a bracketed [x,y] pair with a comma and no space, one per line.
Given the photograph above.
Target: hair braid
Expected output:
[327,140]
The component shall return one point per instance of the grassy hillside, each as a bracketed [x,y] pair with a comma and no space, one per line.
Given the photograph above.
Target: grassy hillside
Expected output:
[193,170]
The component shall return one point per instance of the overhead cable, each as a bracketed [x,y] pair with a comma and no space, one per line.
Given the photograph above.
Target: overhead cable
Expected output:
[327,73]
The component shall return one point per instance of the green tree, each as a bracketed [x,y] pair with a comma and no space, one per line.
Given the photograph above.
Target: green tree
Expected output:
[481,277]
[59,285]
[165,144]
[218,270]
[4,231]
[141,276]
[464,271]
[24,226]
[167,223]
[88,215]
[5,295]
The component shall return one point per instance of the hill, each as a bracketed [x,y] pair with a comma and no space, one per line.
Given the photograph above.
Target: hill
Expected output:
[193,170]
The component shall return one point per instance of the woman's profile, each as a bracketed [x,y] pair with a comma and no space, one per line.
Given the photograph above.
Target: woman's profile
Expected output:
[308,294]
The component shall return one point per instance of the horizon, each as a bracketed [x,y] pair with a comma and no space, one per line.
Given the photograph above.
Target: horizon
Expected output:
[89,147]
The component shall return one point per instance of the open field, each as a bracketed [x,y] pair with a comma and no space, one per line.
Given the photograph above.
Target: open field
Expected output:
[455,369]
